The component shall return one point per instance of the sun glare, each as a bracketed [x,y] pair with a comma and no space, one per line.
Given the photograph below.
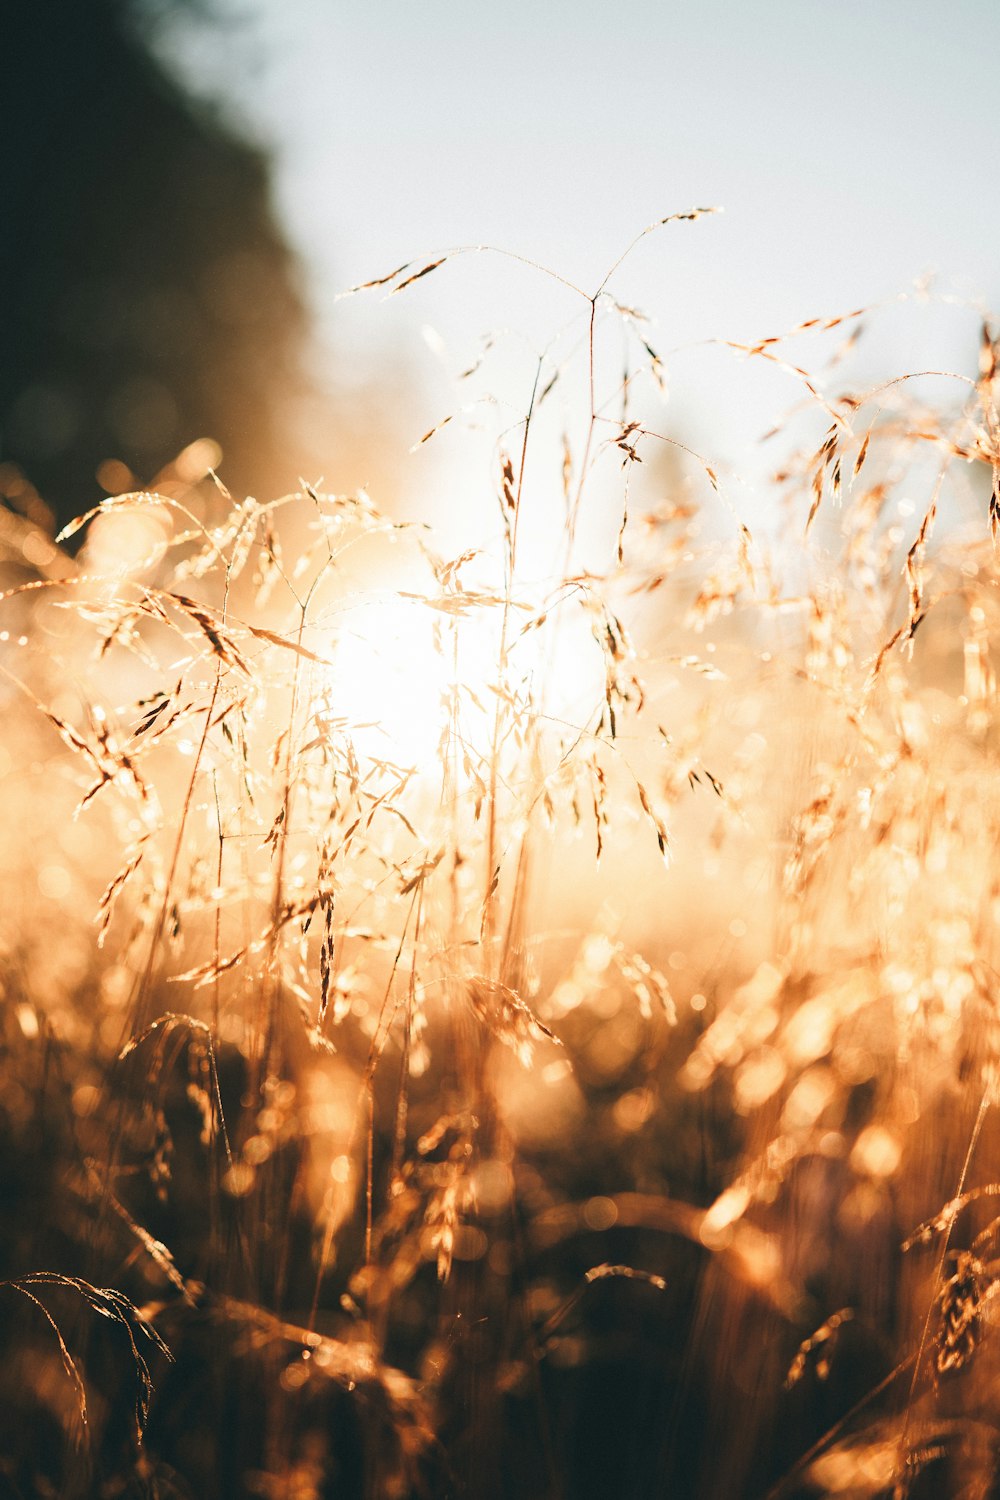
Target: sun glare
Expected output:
[390,681]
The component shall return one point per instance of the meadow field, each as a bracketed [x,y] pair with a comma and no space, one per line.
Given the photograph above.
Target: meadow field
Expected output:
[515,1020]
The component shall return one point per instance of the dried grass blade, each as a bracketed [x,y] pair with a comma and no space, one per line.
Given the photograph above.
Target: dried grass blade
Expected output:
[417,275]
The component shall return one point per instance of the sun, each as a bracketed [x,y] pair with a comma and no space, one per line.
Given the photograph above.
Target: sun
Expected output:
[391,681]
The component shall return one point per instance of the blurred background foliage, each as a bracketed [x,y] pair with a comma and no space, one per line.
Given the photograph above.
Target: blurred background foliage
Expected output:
[148,296]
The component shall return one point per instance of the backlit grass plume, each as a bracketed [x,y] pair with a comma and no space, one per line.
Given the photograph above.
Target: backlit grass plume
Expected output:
[500,1016]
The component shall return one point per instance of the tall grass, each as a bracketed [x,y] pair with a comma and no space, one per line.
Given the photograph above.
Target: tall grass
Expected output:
[519,1022]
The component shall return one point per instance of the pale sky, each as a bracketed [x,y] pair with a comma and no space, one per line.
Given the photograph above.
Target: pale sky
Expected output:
[853,146]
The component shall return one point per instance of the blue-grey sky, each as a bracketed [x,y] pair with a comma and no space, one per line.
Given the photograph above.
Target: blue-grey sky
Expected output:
[853,145]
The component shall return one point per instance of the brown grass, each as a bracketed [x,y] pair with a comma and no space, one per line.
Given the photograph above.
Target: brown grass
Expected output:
[535,1009]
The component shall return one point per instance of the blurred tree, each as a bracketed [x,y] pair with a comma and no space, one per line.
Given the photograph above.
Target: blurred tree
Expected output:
[147,296]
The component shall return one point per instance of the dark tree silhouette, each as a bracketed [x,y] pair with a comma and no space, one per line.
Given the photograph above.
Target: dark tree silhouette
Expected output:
[147,296]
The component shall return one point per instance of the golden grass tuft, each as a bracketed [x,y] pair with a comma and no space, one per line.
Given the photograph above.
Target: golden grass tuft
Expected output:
[538,996]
